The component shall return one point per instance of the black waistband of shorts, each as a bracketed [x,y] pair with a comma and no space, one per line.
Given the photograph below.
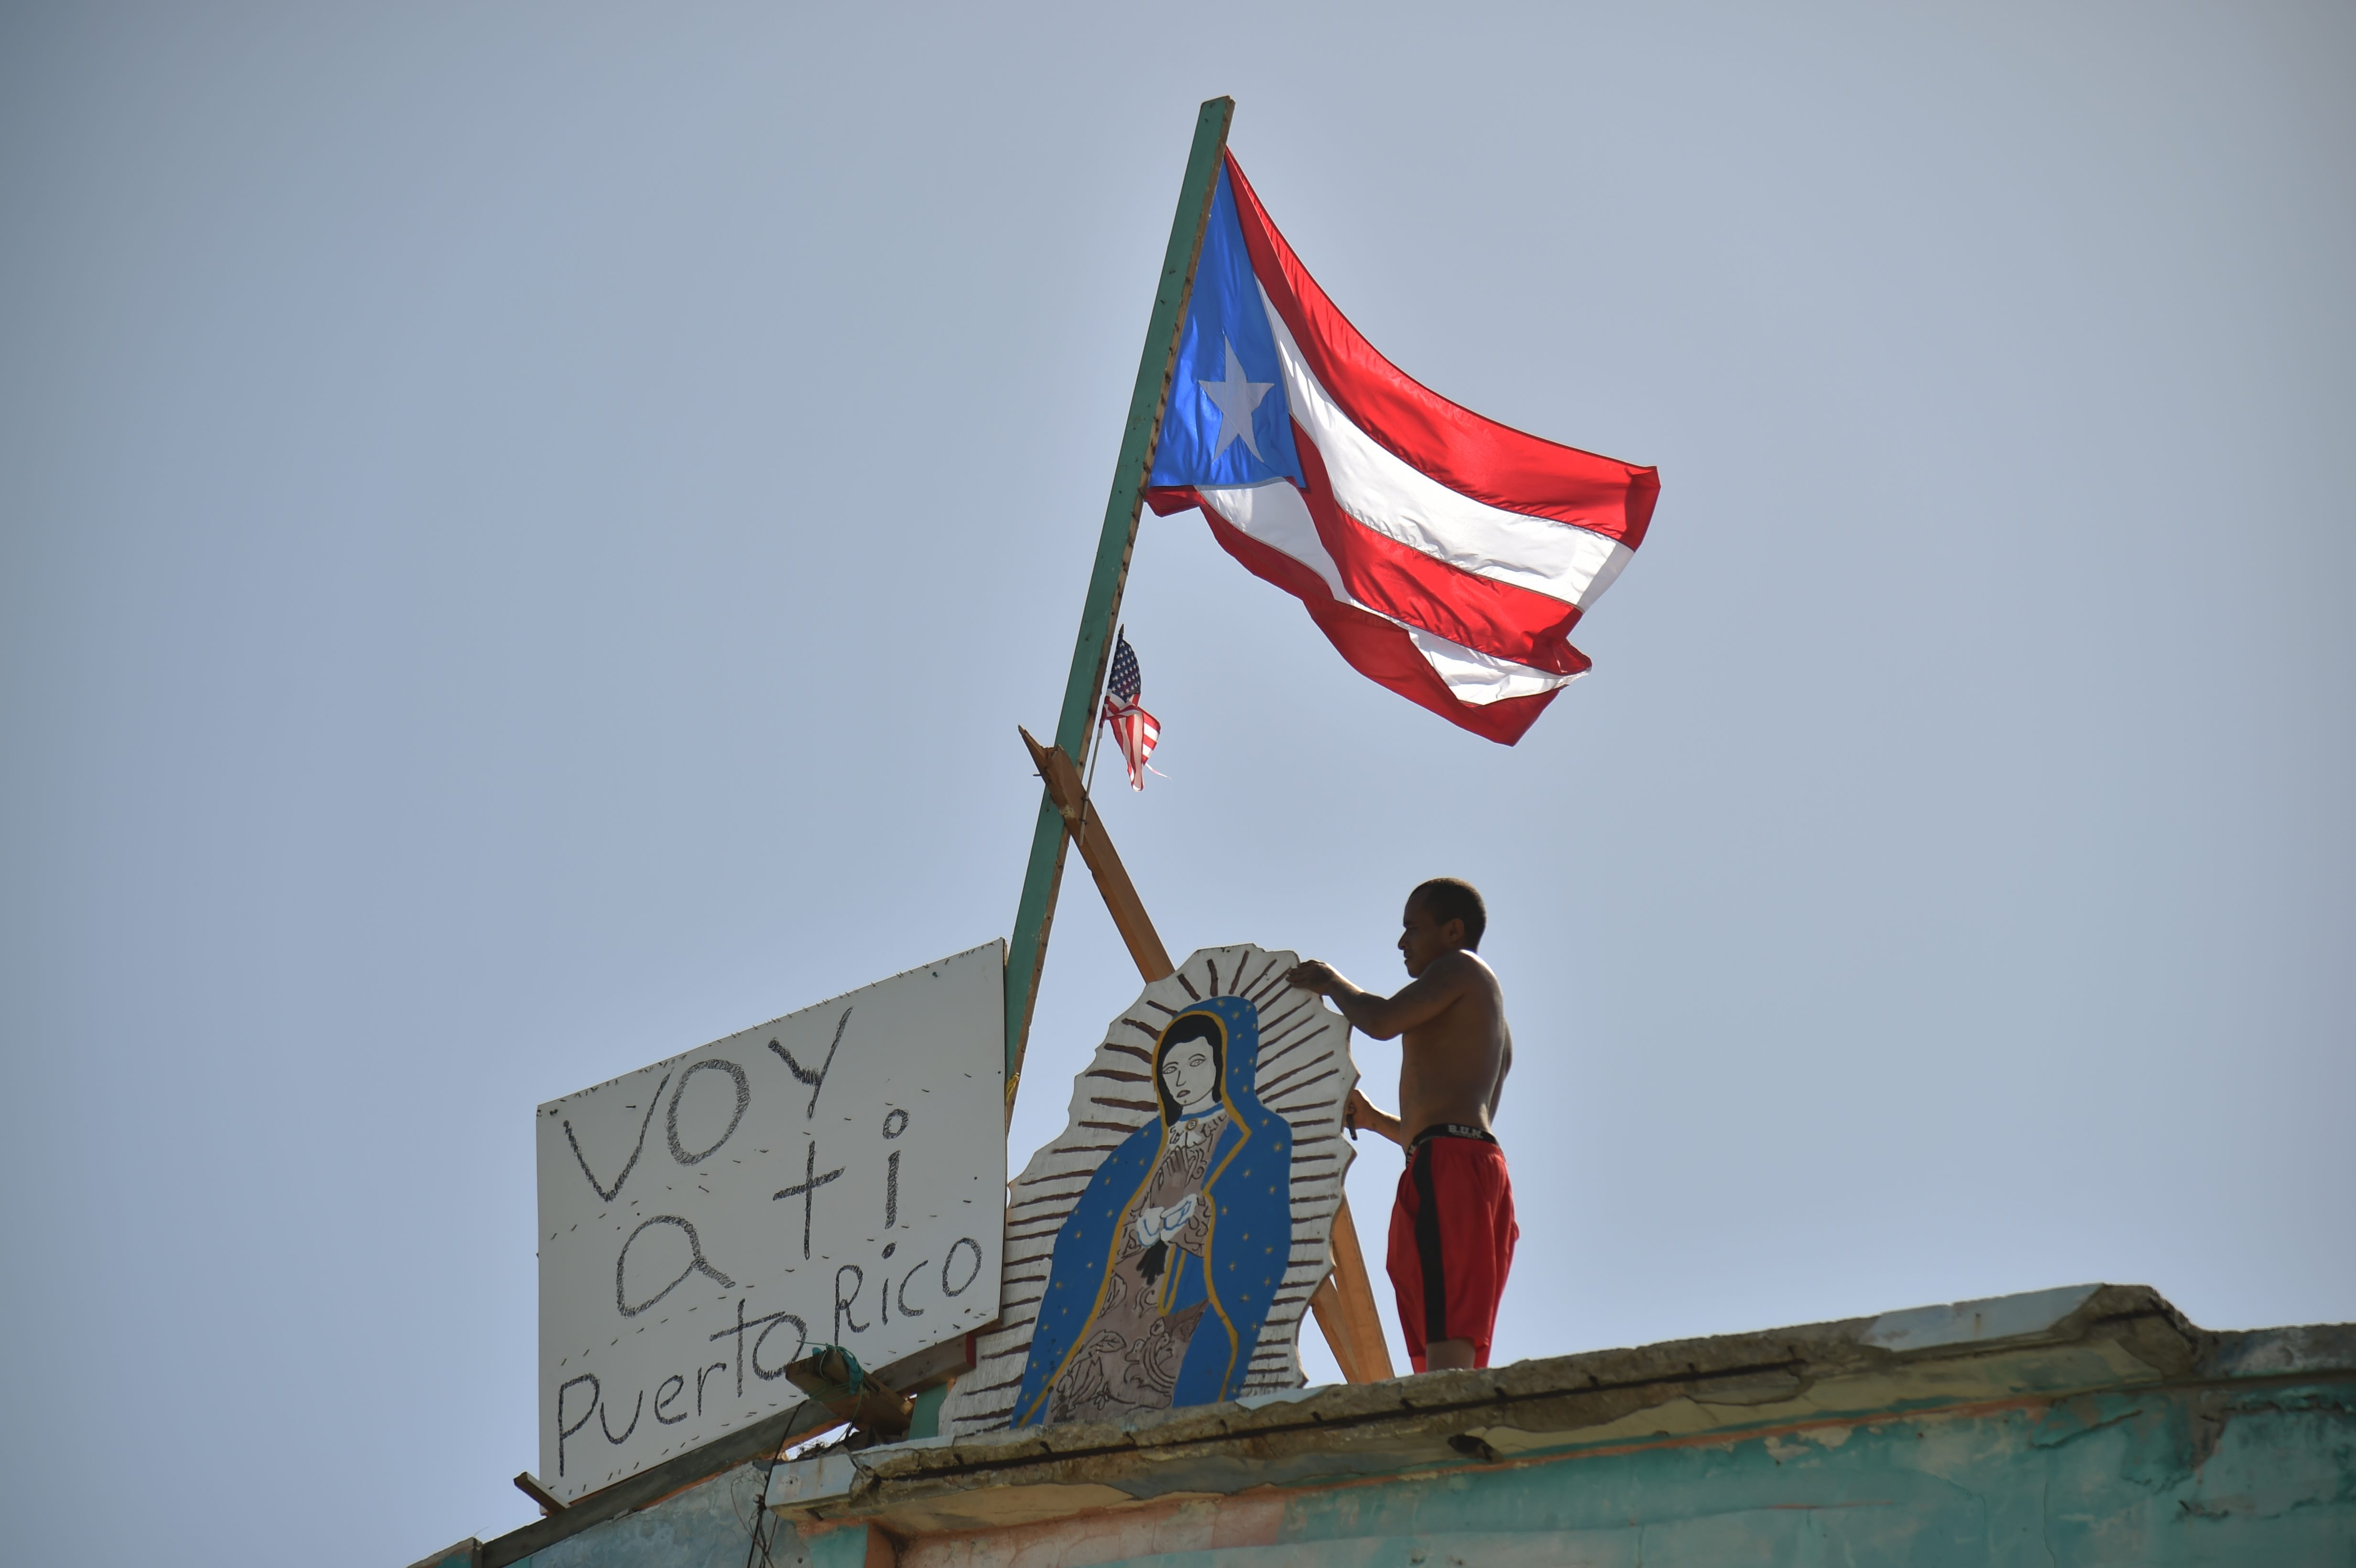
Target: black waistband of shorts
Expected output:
[1451,1130]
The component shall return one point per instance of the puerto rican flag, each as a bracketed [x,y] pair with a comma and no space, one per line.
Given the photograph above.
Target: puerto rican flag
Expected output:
[1445,555]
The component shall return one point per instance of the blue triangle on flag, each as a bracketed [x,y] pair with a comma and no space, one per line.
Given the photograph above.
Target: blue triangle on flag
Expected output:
[1228,423]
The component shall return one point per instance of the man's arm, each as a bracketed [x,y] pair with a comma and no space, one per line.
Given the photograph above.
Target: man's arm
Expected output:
[1361,1112]
[1383,1017]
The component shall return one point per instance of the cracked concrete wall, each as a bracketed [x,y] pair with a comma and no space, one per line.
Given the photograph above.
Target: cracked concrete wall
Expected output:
[2257,1472]
[2161,1479]
[706,1526]
[2086,1426]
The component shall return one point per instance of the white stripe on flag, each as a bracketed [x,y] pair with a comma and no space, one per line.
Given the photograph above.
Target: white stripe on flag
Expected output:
[1477,678]
[1395,498]
[1276,515]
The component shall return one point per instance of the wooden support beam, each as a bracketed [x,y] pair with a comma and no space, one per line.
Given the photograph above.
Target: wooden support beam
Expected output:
[1344,1302]
[761,1440]
[869,1404]
[528,1485]
[1082,824]
[1347,1316]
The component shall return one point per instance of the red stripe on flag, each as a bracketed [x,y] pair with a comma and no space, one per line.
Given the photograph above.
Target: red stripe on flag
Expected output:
[1378,649]
[1471,455]
[1166,501]
[1394,578]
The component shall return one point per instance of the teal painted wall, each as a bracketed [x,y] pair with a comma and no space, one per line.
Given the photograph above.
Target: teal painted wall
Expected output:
[709,1526]
[2258,1476]
[2246,1474]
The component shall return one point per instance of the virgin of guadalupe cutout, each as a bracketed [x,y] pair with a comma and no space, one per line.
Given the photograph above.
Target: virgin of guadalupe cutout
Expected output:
[1160,1252]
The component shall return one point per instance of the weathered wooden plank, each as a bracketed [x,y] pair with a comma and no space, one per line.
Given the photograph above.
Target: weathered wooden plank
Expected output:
[757,1441]
[1087,830]
[1344,1306]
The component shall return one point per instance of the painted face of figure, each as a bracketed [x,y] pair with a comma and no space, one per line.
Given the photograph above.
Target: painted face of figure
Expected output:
[1189,1073]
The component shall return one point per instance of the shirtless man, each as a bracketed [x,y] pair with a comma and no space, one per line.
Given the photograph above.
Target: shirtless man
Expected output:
[1452,1229]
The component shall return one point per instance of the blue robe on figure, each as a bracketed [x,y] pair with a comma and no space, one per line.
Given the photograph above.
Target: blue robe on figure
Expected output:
[1246,1239]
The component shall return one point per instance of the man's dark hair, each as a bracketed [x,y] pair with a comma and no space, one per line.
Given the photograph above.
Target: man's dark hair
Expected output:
[1452,898]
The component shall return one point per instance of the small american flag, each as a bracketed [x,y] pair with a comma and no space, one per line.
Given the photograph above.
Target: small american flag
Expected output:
[1134,730]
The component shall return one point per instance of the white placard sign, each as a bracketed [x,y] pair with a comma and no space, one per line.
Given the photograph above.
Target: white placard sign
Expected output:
[837,1175]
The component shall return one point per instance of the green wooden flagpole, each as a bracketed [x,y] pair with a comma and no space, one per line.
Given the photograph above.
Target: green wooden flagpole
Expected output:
[1028,949]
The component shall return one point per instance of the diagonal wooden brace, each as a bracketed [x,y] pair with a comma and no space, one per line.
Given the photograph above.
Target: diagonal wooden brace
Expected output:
[1346,1311]
[1088,832]
[1344,1301]
[869,1404]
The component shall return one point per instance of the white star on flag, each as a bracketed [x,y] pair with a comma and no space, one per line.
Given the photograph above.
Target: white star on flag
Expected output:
[1445,555]
[1234,397]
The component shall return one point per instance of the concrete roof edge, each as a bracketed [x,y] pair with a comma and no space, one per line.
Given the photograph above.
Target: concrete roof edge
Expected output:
[2136,1319]
[2141,1336]
[2304,1349]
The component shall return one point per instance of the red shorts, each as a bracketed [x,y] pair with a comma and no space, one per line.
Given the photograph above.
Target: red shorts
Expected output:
[1452,1235]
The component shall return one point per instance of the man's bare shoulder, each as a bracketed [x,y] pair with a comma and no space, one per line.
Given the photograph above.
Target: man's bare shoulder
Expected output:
[1461,971]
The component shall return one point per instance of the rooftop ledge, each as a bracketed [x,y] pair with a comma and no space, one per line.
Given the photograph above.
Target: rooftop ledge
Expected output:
[2035,1348]
[2028,1351]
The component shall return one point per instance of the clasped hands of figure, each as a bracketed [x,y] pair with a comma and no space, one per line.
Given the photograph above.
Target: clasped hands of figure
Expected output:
[1156,1224]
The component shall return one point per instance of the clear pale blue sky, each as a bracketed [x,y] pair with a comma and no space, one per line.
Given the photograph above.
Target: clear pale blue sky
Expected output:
[526,532]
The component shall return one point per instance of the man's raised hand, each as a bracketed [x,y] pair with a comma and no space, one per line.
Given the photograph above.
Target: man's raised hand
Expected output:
[1314,976]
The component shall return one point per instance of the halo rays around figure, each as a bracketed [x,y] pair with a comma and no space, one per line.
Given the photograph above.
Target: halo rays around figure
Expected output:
[1160,1253]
